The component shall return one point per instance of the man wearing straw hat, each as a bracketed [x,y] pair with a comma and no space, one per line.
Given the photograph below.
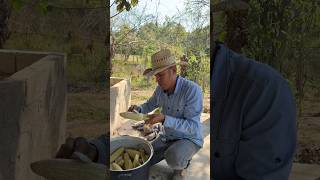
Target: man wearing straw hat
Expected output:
[181,103]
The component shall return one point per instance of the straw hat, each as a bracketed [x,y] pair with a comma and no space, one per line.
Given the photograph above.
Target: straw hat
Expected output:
[161,61]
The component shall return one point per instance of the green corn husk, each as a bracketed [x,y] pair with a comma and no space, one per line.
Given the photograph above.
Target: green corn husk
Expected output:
[134,116]
[157,110]
[68,169]
[140,116]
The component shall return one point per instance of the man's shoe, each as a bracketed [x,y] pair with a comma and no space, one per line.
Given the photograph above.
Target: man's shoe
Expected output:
[179,174]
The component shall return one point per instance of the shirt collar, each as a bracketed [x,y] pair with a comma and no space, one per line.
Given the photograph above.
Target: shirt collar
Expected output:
[178,86]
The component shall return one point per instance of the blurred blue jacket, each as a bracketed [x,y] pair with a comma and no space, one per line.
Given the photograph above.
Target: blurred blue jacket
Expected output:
[253,127]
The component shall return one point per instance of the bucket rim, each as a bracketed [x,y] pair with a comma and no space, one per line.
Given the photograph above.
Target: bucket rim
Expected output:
[136,138]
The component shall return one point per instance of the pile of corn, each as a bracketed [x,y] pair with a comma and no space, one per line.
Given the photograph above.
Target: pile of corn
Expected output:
[129,158]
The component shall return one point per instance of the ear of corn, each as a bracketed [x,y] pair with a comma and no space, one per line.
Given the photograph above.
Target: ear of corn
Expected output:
[134,116]
[127,161]
[120,158]
[116,154]
[142,155]
[147,156]
[121,162]
[115,166]
[136,161]
[132,153]
[67,169]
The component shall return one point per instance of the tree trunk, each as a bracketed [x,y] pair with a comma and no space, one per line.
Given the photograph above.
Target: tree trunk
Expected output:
[236,27]
[300,80]
[4,20]
[184,68]
[145,61]
[109,50]
[126,57]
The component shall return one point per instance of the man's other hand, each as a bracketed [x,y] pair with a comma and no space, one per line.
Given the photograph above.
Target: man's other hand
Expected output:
[133,108]
[155,118]
[78,144]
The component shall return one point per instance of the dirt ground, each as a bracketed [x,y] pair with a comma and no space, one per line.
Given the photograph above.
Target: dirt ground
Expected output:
[86,112]
[309,132]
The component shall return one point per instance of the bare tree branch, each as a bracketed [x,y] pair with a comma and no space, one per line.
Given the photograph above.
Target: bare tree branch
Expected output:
[112,4]
[115,15]
[134,28]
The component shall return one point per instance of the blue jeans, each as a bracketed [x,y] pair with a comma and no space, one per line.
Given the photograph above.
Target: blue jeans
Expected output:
[177,153]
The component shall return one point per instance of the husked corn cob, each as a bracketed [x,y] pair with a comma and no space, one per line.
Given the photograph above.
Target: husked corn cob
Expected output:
[143,158]
[136,161]
[115,166]
[132,153]
[147,156]
[118,159]
[121,162]
[127,161]
[116,154]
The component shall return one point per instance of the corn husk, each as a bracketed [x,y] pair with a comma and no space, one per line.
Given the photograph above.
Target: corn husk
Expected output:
[134,116]
[68,169]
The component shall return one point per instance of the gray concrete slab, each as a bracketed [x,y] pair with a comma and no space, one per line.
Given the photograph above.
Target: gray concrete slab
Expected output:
[305,172]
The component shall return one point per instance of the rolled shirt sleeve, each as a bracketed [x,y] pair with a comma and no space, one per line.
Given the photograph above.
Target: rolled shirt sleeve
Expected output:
[151,103]
[101,143]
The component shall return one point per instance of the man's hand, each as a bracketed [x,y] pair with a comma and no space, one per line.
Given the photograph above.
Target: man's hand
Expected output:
[155,118]
[79,144]
[133,108]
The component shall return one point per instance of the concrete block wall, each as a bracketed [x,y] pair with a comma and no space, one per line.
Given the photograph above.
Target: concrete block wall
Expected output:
[120,97]
[32,110]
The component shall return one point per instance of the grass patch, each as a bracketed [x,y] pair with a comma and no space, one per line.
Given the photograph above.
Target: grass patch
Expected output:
[87,107]
[87,114]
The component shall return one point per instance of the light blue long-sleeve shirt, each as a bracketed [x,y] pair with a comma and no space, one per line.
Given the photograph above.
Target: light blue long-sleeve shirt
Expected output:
[182,110]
